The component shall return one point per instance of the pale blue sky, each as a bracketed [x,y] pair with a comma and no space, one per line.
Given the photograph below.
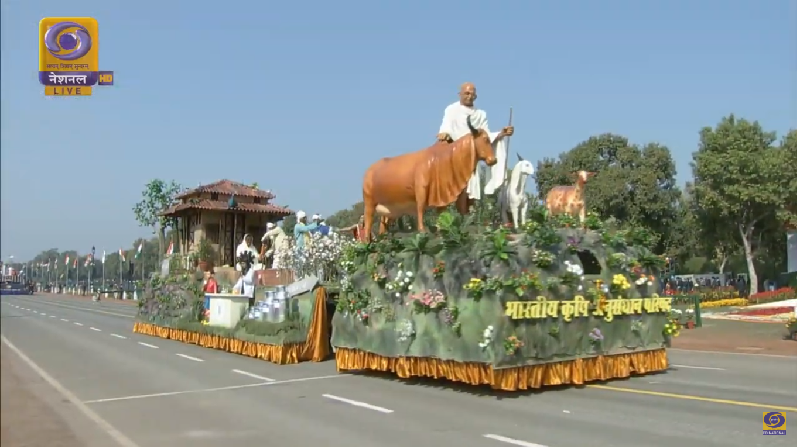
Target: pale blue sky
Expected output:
[302,98]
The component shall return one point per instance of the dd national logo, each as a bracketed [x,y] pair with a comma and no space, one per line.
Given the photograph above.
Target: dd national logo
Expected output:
[774,423]
[68,56]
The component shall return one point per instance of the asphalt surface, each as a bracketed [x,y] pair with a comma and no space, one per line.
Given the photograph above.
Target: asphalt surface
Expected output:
[149,391]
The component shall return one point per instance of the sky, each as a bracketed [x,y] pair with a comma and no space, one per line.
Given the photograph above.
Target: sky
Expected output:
[303,98]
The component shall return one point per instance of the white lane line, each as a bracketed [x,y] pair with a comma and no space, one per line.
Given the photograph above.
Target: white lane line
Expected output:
[64,319]
[695,351]
[512,441]
[357,403]
[44,314]
[147,345]
[52,316]
[117,436]
[699,367]
[78,324]
[210,390]
[119,336]
[95,329]
[254,376]
[189,357]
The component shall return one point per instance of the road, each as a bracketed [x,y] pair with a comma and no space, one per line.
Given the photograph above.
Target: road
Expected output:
[145,391]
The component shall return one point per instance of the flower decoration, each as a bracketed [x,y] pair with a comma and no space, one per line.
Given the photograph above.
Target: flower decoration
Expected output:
[596,337]
[401,283]
[405,329]
[475,288]
[542,259]
[512,344]
[620,283]
[487,337]
[428,300]
[439,269]
[450,315]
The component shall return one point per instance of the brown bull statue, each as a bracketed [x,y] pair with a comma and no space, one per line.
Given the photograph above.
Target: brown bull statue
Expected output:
[433,177]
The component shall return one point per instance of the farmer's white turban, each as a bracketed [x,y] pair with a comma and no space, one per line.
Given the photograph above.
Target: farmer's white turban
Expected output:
[270,226]
[301,214]
[316,216]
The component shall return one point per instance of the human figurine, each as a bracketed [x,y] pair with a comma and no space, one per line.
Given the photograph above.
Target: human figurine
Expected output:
[245,246]
[246,283]
[280,245]
[301,231]
[357,230]
[454,126]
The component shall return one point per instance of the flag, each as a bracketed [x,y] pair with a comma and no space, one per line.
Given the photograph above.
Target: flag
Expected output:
[88,261]
[74,264]
[140,247]
[121,255]
[66,263]
[170,250]
[103,256]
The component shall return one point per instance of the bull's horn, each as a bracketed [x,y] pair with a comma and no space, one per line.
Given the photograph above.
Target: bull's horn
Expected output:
[473,130]
[519,158]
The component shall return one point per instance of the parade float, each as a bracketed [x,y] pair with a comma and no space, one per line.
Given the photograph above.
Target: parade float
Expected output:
[281,321]
[287,329]
[487,305]
[478,302]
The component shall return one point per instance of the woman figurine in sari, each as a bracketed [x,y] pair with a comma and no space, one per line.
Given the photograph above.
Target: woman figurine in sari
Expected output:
[245,246]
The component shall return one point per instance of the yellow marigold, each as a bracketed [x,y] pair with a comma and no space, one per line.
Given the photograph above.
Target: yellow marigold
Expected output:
[735,302]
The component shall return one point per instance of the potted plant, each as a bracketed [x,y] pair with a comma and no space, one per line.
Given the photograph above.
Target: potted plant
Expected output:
[205,255]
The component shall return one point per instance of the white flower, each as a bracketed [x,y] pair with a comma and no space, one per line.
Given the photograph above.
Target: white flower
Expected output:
[390,287]
[580,287]
[650,283]
[398,275]
[482,345]
[409,287]
[690,311]
[409,274]
[398,294]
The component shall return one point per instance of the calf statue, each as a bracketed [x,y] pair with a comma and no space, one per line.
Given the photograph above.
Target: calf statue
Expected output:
[434,177]
[569,199]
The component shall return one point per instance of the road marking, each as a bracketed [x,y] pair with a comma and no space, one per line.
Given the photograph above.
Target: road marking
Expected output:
[254,376]
[699,367]
[698,398]
[44,314]
[119,336]
[84,308]
[189,357]
[147,345]
[78,324]
[512,441]
[52,316]
[95,329]
[733,353]
[357,403]
[64,319]
[210,390]
[117,436]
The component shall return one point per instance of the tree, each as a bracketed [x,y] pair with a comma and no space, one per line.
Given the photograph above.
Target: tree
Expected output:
[636,185]
[157,197]
[743,186]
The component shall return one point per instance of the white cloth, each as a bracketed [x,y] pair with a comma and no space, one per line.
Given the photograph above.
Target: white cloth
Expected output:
[455,124]
[246,284]
[242,248]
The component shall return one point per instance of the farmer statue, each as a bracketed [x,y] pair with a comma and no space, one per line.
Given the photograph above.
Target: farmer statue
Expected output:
[455,125]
